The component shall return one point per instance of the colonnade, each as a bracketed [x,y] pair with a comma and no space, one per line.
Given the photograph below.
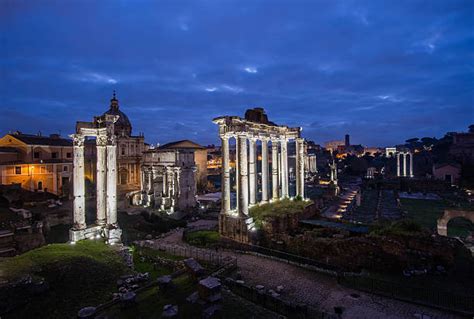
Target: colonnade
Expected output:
[403,156]
[246,171]
[170,188]
[106,185]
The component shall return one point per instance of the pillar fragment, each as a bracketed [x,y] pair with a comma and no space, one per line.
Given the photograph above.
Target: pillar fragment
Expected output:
[242,180]
[300,159]
[112,181]
[264,170]
[252,172]
[275,194]
[79,182]
[101,180]
[225,207]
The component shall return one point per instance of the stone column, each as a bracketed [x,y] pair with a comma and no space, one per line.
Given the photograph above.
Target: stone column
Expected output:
[398,164]
[411,164]
[225,189]
[300,159]
[101,180]
[112,181]
[264,170]
[284,164]
[242,180]
[404,164]
[79,182]
[275,187]
[252,172]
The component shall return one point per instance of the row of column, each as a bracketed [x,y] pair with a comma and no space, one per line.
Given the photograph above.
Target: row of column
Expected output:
[106,181]
[246,171]
[170,183]
[404,173]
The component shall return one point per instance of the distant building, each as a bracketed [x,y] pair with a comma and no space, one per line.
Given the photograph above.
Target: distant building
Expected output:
[36,162]
[462,148]
[200,157]
[390,151]
[333,145]
[449,172]
[130,150]
[169,181]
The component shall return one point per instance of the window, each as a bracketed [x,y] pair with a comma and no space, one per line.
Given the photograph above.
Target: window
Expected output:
[18,170]
[68,154]
[37,155]
[65,169]
[40,186]
[54,155]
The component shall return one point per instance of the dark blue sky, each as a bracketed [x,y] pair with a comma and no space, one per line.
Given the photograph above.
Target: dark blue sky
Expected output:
[383,71]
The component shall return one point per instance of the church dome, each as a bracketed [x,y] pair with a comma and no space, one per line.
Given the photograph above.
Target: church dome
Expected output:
[123,125]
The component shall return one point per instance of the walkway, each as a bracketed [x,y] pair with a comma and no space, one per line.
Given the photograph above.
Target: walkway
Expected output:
[316,289]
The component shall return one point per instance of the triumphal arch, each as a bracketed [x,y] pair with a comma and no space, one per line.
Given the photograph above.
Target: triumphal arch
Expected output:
[105,225]
[235,223]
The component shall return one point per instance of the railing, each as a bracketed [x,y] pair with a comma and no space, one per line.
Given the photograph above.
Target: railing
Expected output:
[205,255]
[433,297]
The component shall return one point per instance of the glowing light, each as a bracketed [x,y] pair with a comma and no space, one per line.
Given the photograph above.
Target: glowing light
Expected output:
[72,242]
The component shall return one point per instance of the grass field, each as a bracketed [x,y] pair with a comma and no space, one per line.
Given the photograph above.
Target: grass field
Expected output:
[278,208]
[203,238]
[427,212]
[78,275]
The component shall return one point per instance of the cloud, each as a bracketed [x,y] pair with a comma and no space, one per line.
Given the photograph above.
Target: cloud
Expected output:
[250,69]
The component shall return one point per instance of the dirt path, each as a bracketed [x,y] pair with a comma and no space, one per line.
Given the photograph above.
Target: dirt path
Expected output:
[316,289]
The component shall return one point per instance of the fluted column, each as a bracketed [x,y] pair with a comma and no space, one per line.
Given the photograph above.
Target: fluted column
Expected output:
[411,164]
[79,182]
[101,181]
[398,164]
[252,172]
[225,189]
[404,164]
[264,170]
[275,194]
[242,180]
[284,170]
[300,159]
[112,181]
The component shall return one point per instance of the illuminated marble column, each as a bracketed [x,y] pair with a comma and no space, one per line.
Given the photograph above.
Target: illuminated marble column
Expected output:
[101,180]
[404,164]
[225,208]
[398,164]
[79,182]
[411,164]
[264,170]
[275,194]
[300,159]
[252,172]
[242,180]
[284,168]
[112,181]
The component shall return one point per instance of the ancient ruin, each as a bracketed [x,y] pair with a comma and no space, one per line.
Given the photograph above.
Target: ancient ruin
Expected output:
[402,158]
[168,179]
[236,223]
[102,129]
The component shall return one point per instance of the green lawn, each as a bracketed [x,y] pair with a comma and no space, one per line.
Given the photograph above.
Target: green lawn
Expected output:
[278,208]
[147,266]
[79,275]
[203,238]
[427,212]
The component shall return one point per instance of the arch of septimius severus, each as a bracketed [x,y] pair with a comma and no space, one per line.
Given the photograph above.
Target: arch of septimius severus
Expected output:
[236,223]
[105,226]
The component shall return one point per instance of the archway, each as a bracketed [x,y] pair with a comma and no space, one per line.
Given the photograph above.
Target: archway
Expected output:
[460,227]
[450,215]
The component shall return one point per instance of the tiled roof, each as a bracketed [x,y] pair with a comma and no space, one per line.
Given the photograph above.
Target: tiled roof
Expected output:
[182,144]
[42,140]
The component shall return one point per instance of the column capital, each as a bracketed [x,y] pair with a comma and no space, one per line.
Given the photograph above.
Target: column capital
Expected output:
[101,140]
[78,139]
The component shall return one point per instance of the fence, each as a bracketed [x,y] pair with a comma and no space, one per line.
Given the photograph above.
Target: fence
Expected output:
[205,255]
[428,296]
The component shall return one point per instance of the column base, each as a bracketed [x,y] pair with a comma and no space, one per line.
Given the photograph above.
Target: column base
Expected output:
[238,228]
[112,234]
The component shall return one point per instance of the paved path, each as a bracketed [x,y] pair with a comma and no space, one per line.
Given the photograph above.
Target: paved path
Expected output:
[316,289]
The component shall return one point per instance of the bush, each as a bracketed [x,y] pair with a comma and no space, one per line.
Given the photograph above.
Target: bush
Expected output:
[203,238]
[406,227]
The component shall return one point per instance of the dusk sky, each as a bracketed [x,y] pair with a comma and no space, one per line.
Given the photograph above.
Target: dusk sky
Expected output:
[382,71]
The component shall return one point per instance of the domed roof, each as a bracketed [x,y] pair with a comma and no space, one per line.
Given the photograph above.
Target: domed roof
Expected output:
[123,125]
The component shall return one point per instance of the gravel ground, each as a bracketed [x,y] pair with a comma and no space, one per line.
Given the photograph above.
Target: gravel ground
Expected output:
[318,290]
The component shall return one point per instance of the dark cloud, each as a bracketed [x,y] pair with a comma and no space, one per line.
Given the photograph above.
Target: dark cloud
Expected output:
[381,71]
